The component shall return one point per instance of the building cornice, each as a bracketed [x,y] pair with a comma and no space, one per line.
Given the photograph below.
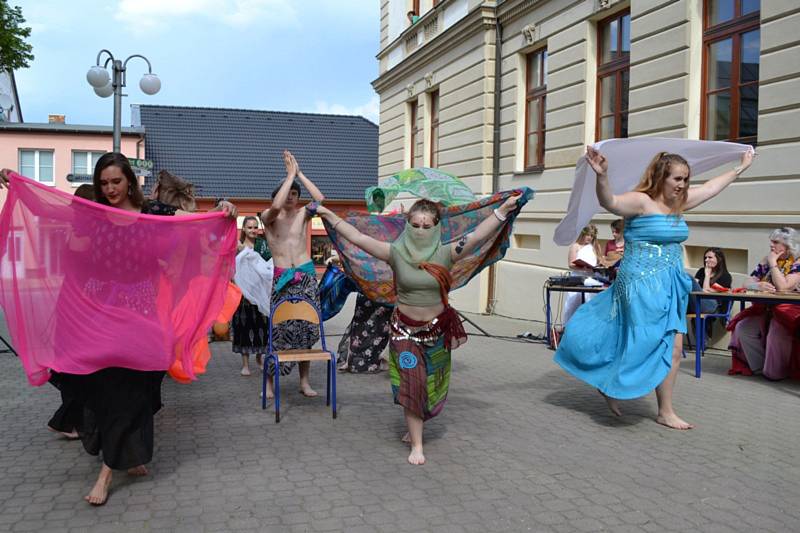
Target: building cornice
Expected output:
[479,19]
[66,128]
[511,10]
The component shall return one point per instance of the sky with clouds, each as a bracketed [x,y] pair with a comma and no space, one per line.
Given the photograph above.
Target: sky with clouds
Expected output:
[282,55]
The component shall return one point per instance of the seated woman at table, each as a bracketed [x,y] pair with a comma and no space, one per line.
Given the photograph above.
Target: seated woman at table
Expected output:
[763,335]
[583,254]
[713,272]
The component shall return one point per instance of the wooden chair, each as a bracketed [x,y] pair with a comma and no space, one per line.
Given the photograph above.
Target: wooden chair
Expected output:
[297,308]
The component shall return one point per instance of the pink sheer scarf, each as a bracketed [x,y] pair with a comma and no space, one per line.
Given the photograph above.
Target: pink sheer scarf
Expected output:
[85,286]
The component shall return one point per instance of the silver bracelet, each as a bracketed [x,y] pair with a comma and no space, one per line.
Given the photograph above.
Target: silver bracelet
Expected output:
[500,217]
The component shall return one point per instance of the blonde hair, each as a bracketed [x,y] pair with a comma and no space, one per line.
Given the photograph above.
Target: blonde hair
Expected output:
[652,182]
[590,230]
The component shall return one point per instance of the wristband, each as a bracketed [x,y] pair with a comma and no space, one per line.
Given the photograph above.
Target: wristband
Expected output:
[500,217]
[336,224]
[312,207]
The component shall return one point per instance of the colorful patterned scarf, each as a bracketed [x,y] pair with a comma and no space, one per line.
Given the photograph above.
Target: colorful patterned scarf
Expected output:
[429,183]
[376,279]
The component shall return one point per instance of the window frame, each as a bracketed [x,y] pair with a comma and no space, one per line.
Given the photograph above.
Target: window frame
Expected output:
[614,67]
[36,164]
[413,113]
[732,29]
[539,94]
[88,154]
[433,149]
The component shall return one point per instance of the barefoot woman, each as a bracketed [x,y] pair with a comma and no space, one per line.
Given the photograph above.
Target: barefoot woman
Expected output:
[424,327]
[119,403]
[627,341]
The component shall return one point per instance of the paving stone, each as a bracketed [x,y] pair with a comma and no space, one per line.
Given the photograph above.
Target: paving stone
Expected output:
[520,446]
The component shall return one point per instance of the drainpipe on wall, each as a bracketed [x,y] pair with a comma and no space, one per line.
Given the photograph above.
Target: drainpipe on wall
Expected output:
[498,58]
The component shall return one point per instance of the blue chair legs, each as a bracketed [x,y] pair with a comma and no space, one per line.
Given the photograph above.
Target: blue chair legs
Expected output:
[333,384]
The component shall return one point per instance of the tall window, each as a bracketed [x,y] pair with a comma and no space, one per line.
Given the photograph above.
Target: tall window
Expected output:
[731,52]
[412,138]
[83,162]
[535,96]
[37,164]
[613,65]
[434,133]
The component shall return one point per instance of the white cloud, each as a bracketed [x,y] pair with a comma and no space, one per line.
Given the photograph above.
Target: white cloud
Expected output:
[151,14]
[369,110]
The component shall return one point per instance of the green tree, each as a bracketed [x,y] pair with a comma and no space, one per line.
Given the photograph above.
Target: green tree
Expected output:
[15,53]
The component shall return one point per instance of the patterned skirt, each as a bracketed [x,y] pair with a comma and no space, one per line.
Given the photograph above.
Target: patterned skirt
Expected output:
[419,365]
[366,336]
[295,334]
[250,329]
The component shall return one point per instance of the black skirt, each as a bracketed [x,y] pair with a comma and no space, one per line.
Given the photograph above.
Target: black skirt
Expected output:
[118,408]
[249,329]
[68,417]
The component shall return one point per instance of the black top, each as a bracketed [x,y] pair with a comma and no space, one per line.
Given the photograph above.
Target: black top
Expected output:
[725,279]
[154,207]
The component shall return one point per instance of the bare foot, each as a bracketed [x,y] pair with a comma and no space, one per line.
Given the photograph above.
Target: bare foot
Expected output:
[307,391]
[416,457]
[99,493]
[406,438]
[613,404]
[245,371]
[137,471]
[72,435]
[673,421]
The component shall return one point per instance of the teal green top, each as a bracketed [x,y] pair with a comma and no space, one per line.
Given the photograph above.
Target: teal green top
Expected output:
[415,286]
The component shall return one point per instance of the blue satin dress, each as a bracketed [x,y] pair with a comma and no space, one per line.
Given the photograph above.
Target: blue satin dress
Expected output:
[621,341]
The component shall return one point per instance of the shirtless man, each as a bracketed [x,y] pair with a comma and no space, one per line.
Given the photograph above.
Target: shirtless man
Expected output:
[286,228]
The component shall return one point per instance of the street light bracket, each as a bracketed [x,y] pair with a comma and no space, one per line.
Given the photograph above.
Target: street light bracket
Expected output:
[110,57]
[149,67]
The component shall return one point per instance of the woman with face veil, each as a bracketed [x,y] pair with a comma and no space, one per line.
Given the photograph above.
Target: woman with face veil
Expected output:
[426,261]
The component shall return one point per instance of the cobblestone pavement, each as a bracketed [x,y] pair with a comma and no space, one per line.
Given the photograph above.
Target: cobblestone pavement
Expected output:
[521,446]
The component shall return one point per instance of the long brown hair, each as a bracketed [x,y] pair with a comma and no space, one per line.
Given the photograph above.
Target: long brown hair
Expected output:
[721,267]
[247,219]
[652,182]
[116,159]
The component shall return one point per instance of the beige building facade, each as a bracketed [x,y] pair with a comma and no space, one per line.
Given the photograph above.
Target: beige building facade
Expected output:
[507,93]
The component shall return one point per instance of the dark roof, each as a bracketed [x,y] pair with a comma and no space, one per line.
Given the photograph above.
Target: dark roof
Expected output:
[237,153]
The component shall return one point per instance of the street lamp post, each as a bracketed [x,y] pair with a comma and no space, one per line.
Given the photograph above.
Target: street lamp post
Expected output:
[105,85]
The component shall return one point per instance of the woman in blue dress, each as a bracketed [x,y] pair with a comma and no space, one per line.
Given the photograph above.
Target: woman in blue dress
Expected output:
[627,341]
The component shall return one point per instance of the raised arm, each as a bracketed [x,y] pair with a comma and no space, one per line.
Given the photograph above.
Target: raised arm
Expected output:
[470,241]
[312,189]
[781,281]
[628,204]
[714,186]
[269,216]
[374,247]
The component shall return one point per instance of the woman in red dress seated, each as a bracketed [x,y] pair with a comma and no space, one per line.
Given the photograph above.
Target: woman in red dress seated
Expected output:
[764,337]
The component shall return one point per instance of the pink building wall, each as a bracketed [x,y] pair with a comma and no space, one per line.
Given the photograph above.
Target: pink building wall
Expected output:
[62,144]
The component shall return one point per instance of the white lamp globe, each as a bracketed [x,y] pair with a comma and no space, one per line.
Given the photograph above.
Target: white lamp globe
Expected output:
[150,84]
[105,91]
[97,76]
